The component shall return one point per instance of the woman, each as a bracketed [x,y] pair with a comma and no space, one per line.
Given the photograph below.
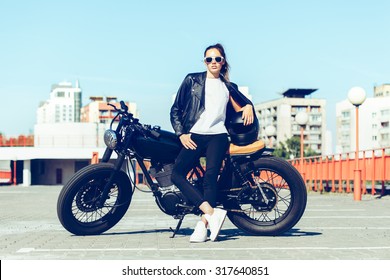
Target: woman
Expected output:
[198,115]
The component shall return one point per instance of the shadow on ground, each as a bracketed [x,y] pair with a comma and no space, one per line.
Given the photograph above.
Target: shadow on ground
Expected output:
[225,234]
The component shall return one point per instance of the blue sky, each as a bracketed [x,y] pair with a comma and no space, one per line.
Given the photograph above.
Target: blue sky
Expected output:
[141,50]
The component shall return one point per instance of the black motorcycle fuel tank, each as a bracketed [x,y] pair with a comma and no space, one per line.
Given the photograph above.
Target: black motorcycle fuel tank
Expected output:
[163,149]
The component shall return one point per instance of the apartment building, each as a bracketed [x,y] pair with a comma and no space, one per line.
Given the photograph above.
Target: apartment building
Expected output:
[382,90]
[280,115]
[98,110]
[374,122]
[63,106]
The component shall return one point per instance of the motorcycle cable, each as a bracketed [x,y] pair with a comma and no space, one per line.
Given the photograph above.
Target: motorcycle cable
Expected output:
[140,129]
[130,162]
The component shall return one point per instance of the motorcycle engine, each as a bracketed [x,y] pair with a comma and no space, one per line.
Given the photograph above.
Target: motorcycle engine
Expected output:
[170,196]
[170,199]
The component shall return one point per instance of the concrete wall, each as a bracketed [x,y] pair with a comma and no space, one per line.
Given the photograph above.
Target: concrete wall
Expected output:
[54,171]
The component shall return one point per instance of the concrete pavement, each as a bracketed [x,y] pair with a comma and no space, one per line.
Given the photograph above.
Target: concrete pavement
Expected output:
[334,227]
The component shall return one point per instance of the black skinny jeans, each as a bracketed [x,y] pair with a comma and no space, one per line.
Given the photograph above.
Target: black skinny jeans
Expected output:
[214,147]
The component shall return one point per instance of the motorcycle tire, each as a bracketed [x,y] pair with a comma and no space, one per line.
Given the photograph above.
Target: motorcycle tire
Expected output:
[76,205]
[286,191]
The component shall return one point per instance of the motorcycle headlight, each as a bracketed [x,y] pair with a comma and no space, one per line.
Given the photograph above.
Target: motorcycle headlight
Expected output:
[110,139]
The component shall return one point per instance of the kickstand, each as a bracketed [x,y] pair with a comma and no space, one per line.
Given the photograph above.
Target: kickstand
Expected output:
[177,227]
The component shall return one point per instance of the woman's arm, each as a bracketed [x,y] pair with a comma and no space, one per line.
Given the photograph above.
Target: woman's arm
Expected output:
[178,105]
[247,111]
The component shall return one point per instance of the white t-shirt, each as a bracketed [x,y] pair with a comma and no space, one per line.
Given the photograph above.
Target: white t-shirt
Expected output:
[212,120]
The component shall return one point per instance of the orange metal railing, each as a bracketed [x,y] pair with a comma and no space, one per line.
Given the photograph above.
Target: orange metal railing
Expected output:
[335,173]
[95,158]
[20,141]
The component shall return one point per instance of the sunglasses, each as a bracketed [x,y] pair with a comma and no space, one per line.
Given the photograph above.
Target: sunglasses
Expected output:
[217,59]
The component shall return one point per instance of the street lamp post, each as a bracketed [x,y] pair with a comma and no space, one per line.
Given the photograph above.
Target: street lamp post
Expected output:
[357,96]
[302,118]
[270,131]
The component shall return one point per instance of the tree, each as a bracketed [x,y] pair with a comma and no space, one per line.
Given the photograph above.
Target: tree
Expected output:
[294,146]
[281,151]
[292,149]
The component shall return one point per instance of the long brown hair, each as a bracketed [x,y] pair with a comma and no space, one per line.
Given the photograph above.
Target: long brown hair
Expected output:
[225,67]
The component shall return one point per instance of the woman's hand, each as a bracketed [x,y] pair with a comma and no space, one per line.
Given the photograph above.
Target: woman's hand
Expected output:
[247,114]
[187,142]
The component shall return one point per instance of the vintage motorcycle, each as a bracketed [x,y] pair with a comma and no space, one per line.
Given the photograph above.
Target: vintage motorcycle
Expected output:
[263,194]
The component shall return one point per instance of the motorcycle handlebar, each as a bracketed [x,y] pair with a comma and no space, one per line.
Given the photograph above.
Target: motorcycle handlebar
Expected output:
[124,110]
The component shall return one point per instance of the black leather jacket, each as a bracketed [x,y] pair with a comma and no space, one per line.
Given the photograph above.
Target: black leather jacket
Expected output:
[190,102]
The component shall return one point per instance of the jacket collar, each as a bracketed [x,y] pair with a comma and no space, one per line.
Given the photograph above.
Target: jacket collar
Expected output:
[200,78]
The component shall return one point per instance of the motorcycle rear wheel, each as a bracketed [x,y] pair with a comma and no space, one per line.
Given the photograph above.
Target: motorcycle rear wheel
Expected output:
[76,206]
[287,196]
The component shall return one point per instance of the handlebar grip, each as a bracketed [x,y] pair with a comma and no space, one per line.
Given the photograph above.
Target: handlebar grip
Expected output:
[124,106]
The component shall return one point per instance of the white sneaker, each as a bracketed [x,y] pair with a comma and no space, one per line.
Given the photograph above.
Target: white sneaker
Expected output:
[200,233]
[215,222]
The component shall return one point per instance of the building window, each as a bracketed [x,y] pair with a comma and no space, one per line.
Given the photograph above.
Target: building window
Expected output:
[314,137]
[296,109]
[295,127]
[315,109]
[104,113]
[385,113]
[60,94]
[315,118]
[345,114]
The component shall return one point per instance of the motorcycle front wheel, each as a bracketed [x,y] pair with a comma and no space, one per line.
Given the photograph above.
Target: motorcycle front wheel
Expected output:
[275,204]
[77,207]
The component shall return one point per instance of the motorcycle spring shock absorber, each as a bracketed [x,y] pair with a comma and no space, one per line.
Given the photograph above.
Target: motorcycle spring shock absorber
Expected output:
[244,182]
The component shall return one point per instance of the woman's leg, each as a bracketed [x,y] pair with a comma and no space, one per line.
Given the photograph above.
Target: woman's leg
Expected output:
[184,163]
[216,149]
[215,152]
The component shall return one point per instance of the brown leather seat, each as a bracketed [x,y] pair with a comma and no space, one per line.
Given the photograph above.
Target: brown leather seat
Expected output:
[248,149]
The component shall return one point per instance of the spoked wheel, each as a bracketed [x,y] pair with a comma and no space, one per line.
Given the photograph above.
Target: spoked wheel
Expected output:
[274,204]
[78,207]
